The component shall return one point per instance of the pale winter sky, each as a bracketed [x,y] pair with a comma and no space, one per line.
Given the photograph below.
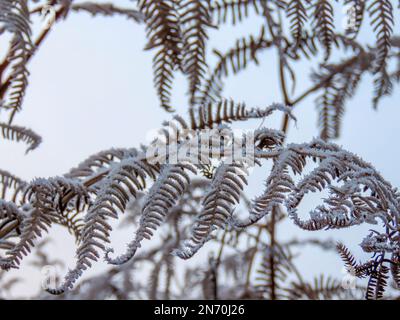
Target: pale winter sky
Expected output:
[91,88]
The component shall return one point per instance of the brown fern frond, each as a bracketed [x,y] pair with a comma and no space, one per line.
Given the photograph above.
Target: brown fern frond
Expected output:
[377,282]
[297,14]
[57,194]
[107,9]
[272,273]
[324,24]
[73,221]
[327,112]
[195,18]
[12,216]
[353,267]
[338,83]
[347,256]
[381,13]
[395,270]
[163,32]
[61,200]
[348,85]
[164,263]
[322,288]
[17,133]
[235,60]
[228,111]
[383,87]
[236,9]
[307,45]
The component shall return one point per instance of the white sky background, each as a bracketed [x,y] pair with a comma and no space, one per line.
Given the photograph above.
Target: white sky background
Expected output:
[91,88]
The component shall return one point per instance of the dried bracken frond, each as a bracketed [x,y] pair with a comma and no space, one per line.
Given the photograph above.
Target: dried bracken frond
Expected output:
[346,256]
[195,18]
[17,133]
[11,187]
[297,13]
[99,163]
[339,83]
[381,13]
[12,216]
[235,9]
[377,282]
[395,269]
[161,17]
[322,288]
[164,262]
[273,272]
[354,268]
[324,24]
[14,15]
[107,9]
[35,222]
[234,60]
[228,111]
[188,185]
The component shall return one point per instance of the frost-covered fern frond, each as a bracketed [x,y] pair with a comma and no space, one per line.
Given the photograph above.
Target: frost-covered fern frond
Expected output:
[34,224]
[16,133]
[218,205]
[159,200]
[188,186]
[123,181]
[105,183]
[45,202]
[225,111]
[97,165]
[11,187]
[10,218]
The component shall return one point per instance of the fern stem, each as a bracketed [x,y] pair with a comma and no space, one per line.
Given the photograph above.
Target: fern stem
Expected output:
[253,255]
[271,256]
[221,249]
[5,231]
